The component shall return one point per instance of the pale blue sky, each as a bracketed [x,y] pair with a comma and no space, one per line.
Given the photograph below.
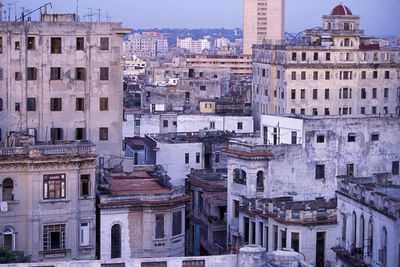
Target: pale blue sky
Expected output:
[378,17]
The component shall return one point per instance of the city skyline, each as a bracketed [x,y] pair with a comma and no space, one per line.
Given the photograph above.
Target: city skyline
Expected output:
[217,14]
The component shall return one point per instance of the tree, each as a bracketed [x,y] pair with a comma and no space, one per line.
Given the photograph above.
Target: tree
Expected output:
[9,256]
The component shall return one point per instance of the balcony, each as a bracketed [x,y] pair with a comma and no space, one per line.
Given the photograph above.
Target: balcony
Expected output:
[354,258]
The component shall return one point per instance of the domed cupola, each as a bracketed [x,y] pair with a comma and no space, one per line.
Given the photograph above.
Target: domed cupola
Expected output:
[341,10]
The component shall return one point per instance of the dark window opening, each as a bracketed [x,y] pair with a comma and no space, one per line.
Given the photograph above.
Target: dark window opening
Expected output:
[351,137]
[31,74]
[18,76]
[56,134]
[395,167]
[31,43]
[186,158]
[319,171]
[55,73]
[116,241]
[104,43]
[176,223]
[17,46]
[159,226]
[55,104]
[80,45]
[103,134]
[56,45]
[80,104]
[80,74]
[80,134]
[374,136]
[31,104]
[103,103]
[103,74]
[85,185]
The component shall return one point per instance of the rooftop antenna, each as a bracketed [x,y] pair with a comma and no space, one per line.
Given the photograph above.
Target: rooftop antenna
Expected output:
[39,8]
[77,8]
[99,14]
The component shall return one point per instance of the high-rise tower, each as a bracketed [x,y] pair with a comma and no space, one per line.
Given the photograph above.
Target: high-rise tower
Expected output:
[262,20]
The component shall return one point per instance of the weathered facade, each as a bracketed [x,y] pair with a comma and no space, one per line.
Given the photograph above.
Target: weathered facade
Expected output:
[141,215]
[333,71]
[48,200]
[59,76]
[368,216]
[206,234]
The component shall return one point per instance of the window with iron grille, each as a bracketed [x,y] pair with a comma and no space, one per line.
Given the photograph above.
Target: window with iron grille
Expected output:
[55,73]
[31,74]
[55,104]
[53,237]
[104,74]
[54,186]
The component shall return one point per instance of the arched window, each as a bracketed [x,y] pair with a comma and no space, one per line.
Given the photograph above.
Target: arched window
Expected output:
[362,233]
[116,241]
[8,238]
[8,186]
[370,240]
[354,229]
[383,256]
[260,181]
[239,176]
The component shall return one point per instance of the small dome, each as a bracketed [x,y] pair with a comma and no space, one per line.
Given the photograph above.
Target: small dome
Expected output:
[341,10]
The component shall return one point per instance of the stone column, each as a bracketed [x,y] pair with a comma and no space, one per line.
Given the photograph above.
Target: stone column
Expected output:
[252,256]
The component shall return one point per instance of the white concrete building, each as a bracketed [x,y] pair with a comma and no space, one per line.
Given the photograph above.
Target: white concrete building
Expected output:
[368,216]
[141,215]
[62,80]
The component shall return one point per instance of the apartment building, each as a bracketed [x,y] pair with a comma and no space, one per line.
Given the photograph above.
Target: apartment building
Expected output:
[263,22]
[145,44]
[62,80]
[47,198]
[239,65]
[299,160]
[368,217]
[334,70]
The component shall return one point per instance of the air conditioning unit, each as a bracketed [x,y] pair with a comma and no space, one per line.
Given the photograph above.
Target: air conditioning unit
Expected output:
[4,206]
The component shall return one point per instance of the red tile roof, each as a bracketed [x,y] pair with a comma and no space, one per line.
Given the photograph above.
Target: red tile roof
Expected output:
[216,198]
[341,10]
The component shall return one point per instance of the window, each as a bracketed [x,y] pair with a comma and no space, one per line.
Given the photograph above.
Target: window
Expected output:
[212,124]
[385,110]
[240,125]
[295,241]
[328,56]
[17,46]
[350,170]
[315,55]
[302,111]
[351,137]
[347,75]
[7,190]
[84,234]
[320,138]
[293,94]
[363,75]
[56,134]
[54,237]
[31,74]
[176,223]
[373,110]
[294,55]
[362,110]
[54,186]
[395,168]
[344,224]
[186,158]
[303,93]
[319,171]
[236,208]
[375,74]
[327,75]
[55,73]
[55,45]
[315,93]
[345,93]
[85,185]
[293,75]
[103,74]
[197,157]
[260,181]
[159,227]
[80,74]
[386,92]
[374,92]
[193,263]
[363,93]
[303,75]
[80,43]
[387,74]
[203,88]
[165,123]
[116,241]
[294,137]
[315,111]
[31,104]
[80,134]
[326,93]
[375,137]
[18,76]
[239,176]
[216,157]
[1,107]
[103,133]
[55,104]
[103,103]
[31,43]
[303,56]
[293,111]
[326,111]
[154,264]
[104,44]
[80,104]
[315,75]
